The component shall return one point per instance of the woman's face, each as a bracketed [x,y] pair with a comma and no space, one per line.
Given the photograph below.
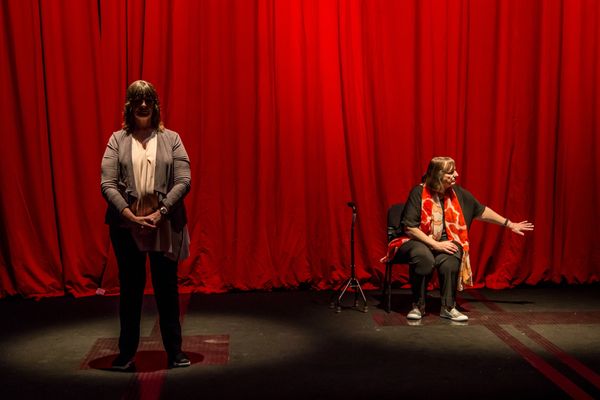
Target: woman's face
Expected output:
[142,110]
[449,178]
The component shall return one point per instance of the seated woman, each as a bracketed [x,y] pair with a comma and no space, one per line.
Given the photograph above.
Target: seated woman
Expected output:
[435,221]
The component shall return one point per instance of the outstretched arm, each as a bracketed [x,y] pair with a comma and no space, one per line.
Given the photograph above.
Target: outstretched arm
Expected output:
[493,217]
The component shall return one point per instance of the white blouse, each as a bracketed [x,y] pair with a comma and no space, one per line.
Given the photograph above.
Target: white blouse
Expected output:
[143,157]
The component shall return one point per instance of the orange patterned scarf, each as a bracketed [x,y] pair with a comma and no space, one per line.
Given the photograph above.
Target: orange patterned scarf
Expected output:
[432,225]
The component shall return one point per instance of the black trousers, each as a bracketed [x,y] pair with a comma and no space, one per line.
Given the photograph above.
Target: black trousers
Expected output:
[422,261]
[132,278]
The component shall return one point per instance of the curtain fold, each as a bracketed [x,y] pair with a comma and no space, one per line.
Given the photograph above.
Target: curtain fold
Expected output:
[290,109]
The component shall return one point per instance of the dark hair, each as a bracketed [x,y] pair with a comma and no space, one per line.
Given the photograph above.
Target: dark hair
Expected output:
[137,91]
[438,166]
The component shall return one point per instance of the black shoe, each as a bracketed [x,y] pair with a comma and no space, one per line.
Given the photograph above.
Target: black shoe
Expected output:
[123,363]
[179,360]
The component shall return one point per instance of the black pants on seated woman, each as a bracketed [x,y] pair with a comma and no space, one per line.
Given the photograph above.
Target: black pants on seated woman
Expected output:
[422,263]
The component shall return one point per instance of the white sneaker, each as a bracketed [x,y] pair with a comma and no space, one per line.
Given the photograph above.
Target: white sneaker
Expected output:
[416,313]
[453,315]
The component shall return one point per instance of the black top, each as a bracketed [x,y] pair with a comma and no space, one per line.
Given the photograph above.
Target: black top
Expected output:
[411,216]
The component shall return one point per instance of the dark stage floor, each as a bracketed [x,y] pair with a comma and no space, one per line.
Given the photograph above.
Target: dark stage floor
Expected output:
[519,343]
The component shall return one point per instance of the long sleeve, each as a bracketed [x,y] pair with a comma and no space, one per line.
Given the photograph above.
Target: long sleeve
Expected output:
[110,176]
[181,175]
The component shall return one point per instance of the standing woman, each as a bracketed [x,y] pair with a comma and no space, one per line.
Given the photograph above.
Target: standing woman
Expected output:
[435,221]
[145,176]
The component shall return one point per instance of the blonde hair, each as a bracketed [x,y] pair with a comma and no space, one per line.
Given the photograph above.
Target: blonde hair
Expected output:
[438,166]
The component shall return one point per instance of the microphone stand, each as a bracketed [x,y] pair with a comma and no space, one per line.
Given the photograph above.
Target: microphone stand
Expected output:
[352,282]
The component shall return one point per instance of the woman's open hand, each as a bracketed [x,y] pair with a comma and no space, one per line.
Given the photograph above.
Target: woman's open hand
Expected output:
[446,246]
[520,227]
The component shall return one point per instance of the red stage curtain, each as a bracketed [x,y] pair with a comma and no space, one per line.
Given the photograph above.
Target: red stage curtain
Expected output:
[290,109]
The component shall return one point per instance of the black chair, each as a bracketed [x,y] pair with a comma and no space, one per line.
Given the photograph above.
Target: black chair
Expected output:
[394,216]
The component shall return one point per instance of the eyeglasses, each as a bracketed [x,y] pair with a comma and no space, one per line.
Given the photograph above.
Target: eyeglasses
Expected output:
[150,101]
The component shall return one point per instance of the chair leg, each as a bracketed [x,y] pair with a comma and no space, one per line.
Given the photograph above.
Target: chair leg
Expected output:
[384,288]
[388,287]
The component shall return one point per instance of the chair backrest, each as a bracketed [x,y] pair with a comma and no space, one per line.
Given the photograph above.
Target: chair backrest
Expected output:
[394,217]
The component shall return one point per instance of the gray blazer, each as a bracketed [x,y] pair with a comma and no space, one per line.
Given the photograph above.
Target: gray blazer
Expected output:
[172,180]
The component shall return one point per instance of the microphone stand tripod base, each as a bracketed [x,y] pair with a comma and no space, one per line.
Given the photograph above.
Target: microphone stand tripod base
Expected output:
[352,283]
